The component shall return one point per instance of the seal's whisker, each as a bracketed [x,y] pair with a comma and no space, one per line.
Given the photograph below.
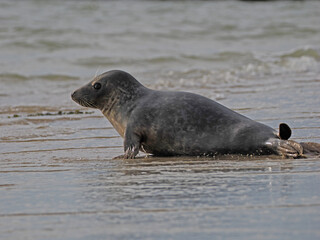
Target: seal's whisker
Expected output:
[98,70]
[86,103]
[91,104]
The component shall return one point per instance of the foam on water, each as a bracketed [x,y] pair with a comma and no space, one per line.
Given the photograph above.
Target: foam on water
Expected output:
[303,63]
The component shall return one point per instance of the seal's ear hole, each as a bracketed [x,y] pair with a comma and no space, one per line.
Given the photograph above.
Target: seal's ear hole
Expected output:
[284,131]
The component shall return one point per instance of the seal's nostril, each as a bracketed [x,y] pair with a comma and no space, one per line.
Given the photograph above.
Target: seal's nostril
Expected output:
[73,94]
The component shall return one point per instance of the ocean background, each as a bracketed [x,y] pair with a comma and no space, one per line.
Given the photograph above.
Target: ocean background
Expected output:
[57,176]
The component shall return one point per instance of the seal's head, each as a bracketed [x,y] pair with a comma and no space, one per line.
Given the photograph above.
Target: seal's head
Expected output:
[107,90]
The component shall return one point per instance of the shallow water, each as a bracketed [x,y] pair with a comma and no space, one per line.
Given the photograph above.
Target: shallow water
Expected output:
[57,176]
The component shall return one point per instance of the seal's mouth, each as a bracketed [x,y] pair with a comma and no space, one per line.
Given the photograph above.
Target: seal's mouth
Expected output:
[73,96]
[83,101]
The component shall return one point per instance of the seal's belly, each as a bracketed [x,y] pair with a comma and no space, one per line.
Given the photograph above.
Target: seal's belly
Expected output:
[208,140]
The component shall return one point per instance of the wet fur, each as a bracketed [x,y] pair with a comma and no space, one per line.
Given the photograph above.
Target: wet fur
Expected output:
[167,123]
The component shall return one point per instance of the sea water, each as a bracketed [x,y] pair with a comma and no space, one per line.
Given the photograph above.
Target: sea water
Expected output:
[57,176]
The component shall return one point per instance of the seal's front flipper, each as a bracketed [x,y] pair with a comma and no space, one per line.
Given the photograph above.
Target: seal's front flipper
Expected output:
[118,157]
[131,151]
[285,148]
[131,144]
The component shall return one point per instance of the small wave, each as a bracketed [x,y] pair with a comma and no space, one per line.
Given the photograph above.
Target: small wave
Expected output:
[304,60]
[301,62]
[225,56]
[57,77]
[287,66]
[303,52]
[49,45]
[114,61]
[58,45]
[299,65]
[44,32]
[13,77]
[191,78]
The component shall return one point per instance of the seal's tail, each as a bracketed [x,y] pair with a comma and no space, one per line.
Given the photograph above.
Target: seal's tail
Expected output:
[285,148]
[289,148]
[284,131]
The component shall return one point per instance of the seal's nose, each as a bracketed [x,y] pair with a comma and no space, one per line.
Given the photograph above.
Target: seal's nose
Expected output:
[73,94]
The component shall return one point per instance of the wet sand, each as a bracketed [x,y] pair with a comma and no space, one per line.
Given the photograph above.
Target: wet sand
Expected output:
[60,182]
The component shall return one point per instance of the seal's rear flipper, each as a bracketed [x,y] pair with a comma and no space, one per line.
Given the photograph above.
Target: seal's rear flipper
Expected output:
[311,148]
[285,148]
[284,131]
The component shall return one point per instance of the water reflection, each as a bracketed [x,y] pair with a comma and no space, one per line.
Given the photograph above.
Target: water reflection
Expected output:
[172,184]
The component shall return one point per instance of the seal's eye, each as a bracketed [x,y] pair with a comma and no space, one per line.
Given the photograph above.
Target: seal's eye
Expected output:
[97,86]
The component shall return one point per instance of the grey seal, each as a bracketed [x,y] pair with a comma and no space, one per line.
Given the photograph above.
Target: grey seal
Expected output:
[173,123]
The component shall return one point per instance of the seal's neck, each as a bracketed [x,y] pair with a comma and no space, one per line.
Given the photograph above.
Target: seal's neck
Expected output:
[120,105]
[117,121]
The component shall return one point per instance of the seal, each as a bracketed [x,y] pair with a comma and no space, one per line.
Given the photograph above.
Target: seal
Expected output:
[169,123]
